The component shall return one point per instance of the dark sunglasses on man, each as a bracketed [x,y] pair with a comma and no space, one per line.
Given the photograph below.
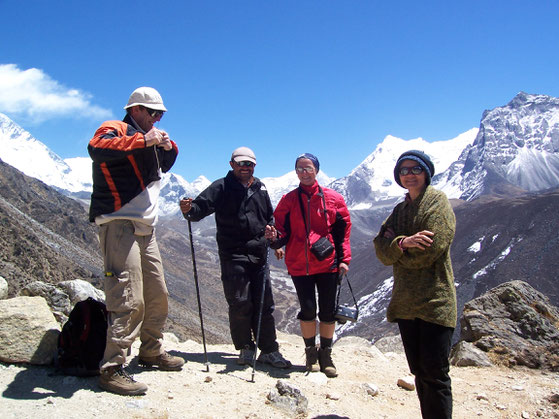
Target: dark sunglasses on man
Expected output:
[244,163]
[154,113]
[415,170]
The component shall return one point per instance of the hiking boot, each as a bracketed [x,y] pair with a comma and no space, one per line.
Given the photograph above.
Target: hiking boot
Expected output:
[164,361]
[117,380]
[275,359]
[326,363]
[246,356]
[311,354]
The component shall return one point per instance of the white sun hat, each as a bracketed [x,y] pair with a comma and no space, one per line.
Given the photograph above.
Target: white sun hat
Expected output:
[148,97]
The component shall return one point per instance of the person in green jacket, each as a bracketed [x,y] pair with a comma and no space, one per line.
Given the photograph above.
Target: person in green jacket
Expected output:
[415,239]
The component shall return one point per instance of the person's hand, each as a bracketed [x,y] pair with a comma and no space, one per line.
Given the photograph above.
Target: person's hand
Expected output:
[420,240]
[271,233]
[186,205]
[153,137]
[279,253]
[165,142]
[343,268]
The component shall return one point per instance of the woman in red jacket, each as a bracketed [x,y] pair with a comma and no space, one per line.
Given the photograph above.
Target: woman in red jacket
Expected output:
[303,217]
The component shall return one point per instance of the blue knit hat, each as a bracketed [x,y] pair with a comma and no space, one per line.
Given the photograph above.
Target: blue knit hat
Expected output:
[421,158]
[312,158]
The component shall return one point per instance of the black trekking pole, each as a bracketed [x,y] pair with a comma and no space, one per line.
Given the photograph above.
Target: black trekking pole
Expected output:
[198,295]
[266,279]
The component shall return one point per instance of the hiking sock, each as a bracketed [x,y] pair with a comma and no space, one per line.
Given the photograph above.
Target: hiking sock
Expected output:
[325,342]
[311,341]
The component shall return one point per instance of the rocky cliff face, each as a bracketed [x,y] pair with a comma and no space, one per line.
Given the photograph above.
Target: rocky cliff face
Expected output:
[516,148]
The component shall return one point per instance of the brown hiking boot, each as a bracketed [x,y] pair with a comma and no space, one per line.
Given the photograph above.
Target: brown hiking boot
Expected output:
[326,363]
[311,354]
[164,362]
[117,380]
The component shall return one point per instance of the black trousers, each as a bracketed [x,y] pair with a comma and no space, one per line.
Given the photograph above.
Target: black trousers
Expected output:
[326,285]
[427,346]
[242,285]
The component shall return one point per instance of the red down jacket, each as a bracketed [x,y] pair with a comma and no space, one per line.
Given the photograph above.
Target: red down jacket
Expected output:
[290,224]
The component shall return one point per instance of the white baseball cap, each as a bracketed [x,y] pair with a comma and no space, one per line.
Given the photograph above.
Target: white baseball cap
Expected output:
[243,154]
[148,97]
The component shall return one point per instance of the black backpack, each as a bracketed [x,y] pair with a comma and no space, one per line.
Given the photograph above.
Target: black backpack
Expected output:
[82,341]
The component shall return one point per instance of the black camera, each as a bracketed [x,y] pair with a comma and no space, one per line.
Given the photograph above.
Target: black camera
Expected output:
[345,313]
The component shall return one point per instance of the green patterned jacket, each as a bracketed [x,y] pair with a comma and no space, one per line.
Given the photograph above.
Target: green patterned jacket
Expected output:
[423,279]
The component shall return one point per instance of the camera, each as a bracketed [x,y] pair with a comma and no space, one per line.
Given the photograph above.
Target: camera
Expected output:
[345,313]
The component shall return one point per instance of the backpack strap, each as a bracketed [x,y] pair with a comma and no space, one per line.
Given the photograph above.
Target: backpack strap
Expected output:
[86,312]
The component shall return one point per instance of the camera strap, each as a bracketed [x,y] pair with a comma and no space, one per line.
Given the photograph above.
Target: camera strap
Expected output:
[308,225]
[350,290]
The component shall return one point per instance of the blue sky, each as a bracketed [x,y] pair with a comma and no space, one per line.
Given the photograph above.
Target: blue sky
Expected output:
[283,77]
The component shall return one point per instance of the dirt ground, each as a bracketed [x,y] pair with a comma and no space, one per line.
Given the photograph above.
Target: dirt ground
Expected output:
[227,390]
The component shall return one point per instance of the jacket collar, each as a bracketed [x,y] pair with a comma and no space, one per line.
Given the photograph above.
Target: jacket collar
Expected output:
[130,121]
[234,181]
[310,190]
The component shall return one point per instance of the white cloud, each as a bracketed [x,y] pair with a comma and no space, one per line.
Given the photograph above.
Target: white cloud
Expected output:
[35,95]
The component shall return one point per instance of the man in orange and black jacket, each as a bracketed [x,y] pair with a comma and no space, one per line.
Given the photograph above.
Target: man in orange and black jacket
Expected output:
[128,159]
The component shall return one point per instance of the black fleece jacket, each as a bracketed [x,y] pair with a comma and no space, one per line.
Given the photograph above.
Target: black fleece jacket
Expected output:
[241,216]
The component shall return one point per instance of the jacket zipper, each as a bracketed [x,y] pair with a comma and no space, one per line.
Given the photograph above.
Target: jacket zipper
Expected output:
[308,232]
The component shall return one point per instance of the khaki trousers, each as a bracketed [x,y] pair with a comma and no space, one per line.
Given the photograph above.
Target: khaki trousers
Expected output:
[135,291]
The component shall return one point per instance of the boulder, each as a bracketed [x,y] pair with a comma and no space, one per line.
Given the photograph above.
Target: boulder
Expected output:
[515,325]
[57,299]
[465,354]
[79,290]
[28,331]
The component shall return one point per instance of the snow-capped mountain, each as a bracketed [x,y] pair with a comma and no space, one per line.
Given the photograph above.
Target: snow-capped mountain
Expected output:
[372,182]
[19,149]
[516,148]
[174,188]
[72,176]
[517,145]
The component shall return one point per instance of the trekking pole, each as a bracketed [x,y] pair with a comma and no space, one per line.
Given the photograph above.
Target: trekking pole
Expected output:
[198,295]
[266,278]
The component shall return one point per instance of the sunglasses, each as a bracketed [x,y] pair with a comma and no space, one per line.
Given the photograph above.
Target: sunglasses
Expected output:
[154,113]
[415,170]
[304,169]
[244,163]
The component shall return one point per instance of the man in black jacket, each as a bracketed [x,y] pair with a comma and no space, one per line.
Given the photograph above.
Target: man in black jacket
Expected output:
[243,216]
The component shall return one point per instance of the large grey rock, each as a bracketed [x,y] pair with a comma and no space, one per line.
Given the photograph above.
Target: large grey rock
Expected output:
[465,354]
[515,325]
[3,288]
[57,299]
[28,331]
[79,290]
